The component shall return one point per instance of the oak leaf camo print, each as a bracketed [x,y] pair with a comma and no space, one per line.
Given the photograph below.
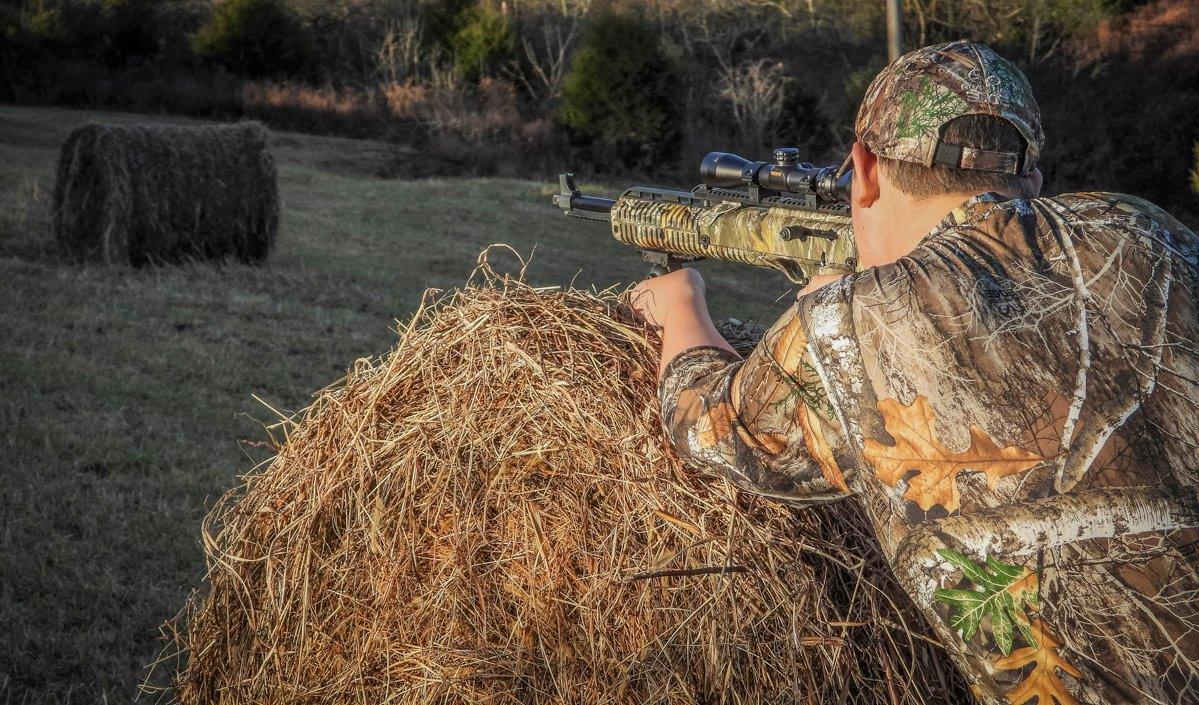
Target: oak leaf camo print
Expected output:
[1016,404]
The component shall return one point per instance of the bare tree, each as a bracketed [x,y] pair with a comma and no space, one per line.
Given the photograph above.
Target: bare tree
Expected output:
[756,93]
[547,56]
[399,56]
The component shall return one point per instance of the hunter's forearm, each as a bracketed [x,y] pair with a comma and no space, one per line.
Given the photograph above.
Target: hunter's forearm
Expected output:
[688,325]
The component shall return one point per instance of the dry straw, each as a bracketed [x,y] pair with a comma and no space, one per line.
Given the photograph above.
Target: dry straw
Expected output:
[490,514]
[144,194]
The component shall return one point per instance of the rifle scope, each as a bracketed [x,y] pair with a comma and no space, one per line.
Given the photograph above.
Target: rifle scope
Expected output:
[786,174]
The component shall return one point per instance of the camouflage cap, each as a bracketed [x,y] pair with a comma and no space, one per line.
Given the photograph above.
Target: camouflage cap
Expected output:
[909,103]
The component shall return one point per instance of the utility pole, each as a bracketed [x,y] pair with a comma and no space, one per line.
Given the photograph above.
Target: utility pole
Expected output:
[894,29]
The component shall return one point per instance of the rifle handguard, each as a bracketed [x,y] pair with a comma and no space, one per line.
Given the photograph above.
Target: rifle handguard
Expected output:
[798,243]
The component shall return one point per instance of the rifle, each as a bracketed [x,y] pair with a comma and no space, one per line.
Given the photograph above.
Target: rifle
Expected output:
[786,215]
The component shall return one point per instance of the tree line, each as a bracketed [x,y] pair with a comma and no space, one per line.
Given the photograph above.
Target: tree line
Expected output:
[617,87]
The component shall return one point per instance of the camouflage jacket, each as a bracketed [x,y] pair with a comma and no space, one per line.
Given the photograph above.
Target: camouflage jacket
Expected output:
[1016,403]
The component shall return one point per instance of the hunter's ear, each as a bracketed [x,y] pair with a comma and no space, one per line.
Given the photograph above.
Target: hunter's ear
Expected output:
[1038,180]
[865,176]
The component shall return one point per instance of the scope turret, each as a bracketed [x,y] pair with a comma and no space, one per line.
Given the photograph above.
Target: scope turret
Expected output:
[786,175]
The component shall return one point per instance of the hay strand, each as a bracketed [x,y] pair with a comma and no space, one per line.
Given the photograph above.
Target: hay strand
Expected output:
[142,194]
[491,514]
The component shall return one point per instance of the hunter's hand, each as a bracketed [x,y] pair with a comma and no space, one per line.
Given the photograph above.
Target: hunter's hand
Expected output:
[675,304]
[657,298]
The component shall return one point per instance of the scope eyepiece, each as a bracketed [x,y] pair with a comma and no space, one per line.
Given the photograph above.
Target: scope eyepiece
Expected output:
[787,174]
[830,187]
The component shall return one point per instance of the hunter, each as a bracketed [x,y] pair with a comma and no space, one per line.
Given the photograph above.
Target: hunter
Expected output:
[1009,384]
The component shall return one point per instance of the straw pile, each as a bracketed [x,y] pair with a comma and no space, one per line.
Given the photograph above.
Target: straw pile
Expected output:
[490,514]
[143,194]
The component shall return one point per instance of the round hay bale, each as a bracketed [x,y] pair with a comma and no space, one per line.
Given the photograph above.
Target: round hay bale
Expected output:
[144,194]
[491,514]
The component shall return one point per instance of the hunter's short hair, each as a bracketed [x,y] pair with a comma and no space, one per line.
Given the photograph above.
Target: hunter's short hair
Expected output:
[979,131]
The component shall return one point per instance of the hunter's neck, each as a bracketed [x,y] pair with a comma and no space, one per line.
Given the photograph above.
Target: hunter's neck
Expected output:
[911,219]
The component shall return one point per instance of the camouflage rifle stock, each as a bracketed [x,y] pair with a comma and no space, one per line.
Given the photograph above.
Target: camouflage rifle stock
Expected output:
[784,215]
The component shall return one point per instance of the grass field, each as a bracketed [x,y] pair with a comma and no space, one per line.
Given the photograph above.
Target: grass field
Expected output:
[126,396]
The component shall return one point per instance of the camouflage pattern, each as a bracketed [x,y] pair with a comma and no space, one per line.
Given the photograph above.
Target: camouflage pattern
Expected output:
[909,102]
[1016,403]
[749,234]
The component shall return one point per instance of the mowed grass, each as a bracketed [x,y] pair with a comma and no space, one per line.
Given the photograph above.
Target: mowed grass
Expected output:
[127,396]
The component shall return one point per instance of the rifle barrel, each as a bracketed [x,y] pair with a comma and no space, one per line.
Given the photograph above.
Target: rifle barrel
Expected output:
[590,207]
[595,204]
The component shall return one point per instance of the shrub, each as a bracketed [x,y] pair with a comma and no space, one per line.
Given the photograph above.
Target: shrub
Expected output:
[112,31]
[483,42]
[45,23]
[443,20]
[256,38]
[622,94]
[15,44]
[130,29]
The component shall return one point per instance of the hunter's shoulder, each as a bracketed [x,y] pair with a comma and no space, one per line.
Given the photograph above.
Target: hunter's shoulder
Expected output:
[1034,229]
[1102,211]
[998,240]
[1099,222]
[1099,202]
[1087,208]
